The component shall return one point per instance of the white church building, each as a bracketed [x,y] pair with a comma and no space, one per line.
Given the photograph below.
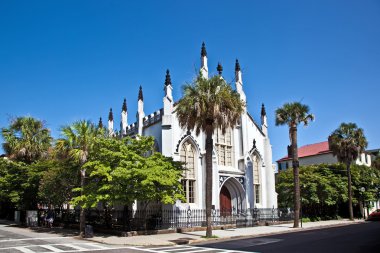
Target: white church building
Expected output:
[243,170]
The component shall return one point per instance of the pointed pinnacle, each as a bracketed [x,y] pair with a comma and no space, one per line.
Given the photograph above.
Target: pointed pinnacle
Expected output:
[237,65]
[100,124]
[263,112]
[140,94]
[110,115]
[124,108]
[219,68]
[203,50]
[168,80]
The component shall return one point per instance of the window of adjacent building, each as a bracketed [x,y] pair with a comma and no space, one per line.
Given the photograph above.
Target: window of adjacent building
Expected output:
[188,177]
[224,147]
[256,180]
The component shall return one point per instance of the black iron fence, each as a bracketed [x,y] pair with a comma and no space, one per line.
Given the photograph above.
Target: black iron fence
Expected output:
[155,219]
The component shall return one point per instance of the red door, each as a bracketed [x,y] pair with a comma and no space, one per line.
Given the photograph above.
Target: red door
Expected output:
[225,202]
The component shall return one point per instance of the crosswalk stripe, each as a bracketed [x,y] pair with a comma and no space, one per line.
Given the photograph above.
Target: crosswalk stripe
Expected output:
[23,249]
[144,249]
[49,247]
[191,249]
[74,246]
[96,245]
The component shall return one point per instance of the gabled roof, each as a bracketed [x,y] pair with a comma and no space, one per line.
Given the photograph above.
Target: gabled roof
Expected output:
[310,150]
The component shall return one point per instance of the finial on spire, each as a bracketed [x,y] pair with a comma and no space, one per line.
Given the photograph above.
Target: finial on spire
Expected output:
[168,80]
[237,65]
[141,94]
[203,51]
[124,108]
[100,124]
[110,115]
[263,112]
[219,68]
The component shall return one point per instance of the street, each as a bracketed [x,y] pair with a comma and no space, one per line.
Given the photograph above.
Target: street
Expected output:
[363,237]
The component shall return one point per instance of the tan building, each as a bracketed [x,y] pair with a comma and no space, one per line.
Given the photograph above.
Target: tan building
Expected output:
[318,153]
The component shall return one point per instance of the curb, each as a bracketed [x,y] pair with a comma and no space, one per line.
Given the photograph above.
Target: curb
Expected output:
[295,230]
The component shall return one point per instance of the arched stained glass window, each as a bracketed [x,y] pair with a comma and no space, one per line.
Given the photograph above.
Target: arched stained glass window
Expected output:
[188,177]
[224,147]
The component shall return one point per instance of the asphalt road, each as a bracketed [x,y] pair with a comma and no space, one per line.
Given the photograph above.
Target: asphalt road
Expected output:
[363,237]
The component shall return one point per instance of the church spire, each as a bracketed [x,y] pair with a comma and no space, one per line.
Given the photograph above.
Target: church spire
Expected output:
[219,68]
[204,67]
[168,80]
[140,94]
[124,107]
[239,81]
[203,50]
[264,124]
[263,112]
[110,115]
[100,124]
[124,118]
[110,123]
[237,66]
[140,112]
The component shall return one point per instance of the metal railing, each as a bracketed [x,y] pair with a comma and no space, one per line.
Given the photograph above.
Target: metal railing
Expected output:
[155,219]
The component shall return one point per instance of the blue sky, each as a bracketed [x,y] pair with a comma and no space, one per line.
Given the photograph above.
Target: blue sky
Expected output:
[62,61]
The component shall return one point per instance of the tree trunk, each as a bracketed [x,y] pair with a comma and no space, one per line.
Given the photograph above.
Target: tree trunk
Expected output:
[293,136]
[350,211]
[209,147]
[82,217]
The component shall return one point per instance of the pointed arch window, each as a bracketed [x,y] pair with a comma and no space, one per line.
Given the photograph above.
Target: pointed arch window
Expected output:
[256,180]
[224,147]
[188,177]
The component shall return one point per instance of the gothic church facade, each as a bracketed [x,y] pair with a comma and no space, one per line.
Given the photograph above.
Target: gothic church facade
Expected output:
[243,173]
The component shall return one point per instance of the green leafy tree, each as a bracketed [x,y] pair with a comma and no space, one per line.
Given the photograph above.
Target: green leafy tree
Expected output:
[367,178]
[26,139]
[57,183]
[324,188]
[76,143]
[13,176]
[208,104]
[347,143]
[376,161]
[122,171]
[19,183]
[293,114]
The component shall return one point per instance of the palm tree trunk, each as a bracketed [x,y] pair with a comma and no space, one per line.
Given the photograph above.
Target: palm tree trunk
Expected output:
[297,197]
[351,213]
[209,147]
[82,217]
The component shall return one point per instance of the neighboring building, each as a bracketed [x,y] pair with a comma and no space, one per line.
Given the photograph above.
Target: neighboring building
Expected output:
[318,153]
[243,173]
[374,153]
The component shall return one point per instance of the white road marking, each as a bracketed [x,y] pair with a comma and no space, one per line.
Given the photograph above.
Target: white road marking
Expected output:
[23,249]
[34,238]
[191,249]
[74,246]
[50,247]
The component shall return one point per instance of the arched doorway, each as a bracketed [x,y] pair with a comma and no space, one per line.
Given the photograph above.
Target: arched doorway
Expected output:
[225,202]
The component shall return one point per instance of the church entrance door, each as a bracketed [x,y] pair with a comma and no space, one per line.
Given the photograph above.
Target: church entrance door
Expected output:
[225,202]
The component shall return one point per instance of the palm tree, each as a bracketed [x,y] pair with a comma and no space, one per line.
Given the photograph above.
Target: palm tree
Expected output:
[293,114]
[77,141]
[209,104]
[26,139]
[347,142]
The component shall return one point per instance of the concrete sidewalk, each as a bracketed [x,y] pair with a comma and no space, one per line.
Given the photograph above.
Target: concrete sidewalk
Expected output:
[196,237]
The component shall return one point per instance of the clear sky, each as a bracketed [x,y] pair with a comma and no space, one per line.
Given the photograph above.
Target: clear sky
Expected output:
[62,61]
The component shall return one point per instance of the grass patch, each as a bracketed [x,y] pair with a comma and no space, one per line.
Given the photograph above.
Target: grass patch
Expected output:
[213,236]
